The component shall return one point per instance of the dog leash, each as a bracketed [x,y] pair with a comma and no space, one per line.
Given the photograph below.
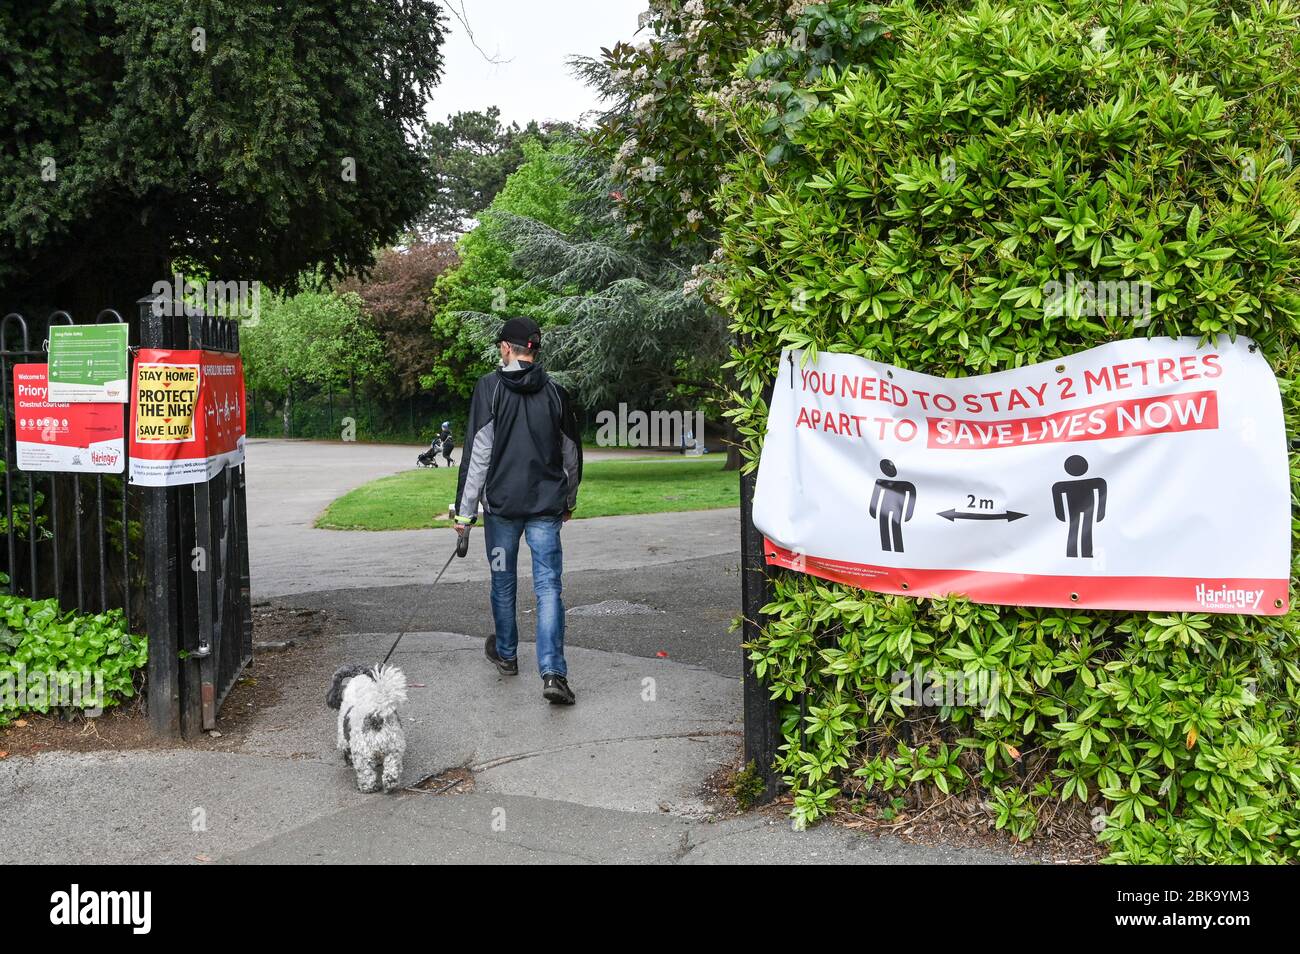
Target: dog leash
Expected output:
[462,547]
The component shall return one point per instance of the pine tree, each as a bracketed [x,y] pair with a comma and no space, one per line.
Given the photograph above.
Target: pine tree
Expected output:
[626,317]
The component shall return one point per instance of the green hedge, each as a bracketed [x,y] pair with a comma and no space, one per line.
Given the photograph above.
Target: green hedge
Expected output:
[976,153]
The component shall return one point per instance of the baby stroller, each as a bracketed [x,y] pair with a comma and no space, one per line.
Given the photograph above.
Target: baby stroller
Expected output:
[442,444]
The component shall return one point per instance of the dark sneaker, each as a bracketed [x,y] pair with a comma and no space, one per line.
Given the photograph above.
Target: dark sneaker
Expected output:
[556,691]
[507,667]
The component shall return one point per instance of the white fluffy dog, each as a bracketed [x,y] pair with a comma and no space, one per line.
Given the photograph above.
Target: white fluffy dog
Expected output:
[371,736]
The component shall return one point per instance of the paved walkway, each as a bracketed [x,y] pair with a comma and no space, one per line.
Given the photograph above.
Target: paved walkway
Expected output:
[616,778]
[291,482]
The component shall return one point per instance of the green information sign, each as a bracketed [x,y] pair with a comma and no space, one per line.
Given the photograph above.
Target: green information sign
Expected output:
[88,363]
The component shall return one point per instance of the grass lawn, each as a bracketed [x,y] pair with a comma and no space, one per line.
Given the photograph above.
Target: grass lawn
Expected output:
[416,499]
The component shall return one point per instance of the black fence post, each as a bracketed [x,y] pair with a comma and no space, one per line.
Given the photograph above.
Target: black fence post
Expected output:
[762,713]
[162,597]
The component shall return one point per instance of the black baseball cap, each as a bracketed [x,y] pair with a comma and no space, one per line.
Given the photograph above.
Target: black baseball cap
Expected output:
[521,332]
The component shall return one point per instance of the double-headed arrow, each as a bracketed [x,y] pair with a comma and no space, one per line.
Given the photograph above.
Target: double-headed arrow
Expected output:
[951,515]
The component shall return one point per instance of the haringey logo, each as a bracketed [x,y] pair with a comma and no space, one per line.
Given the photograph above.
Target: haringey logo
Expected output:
[103,458]
[134,908]
[1226,596]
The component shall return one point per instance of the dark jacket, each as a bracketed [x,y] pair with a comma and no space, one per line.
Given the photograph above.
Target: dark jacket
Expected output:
[523,449]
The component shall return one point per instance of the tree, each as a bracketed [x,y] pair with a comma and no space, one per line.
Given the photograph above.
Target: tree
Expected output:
[486,285]
[471,156]
[667,156]
[627,323]
[394,296]
[253,139]
[669,153]
[315,338]
[622,315]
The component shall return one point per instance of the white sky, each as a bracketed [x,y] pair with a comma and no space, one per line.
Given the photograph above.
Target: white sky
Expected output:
[532,39]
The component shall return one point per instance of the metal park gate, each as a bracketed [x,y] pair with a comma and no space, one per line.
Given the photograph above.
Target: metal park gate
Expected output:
[763,737]
[196,554]
[174,559]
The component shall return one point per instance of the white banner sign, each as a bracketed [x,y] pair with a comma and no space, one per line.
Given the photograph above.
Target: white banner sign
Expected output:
[1141,475]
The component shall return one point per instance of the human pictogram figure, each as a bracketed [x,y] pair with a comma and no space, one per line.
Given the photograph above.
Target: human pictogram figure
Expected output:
[1080,503]
[893,501]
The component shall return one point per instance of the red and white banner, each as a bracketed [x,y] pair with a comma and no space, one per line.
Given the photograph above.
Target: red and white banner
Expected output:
[187,416]
[1148,474]
[66,438]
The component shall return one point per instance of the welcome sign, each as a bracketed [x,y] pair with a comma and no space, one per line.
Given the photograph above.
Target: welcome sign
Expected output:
[60,436]
[1148,474]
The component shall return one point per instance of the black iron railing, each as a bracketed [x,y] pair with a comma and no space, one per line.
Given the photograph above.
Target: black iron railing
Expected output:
[174,559]
[61,529]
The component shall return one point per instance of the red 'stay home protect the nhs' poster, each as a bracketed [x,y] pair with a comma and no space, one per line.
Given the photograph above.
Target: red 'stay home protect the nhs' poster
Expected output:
[187,416]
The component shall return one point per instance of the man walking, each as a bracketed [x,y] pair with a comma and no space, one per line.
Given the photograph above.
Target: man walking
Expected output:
[523,462]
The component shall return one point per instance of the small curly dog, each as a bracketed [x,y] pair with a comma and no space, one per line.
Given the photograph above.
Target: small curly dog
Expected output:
[371,736]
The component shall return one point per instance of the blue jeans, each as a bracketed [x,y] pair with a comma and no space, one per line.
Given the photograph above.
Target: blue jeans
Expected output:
[543,535]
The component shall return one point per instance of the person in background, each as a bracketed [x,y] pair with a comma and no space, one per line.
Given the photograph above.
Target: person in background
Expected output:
[522,463]
[446,442]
